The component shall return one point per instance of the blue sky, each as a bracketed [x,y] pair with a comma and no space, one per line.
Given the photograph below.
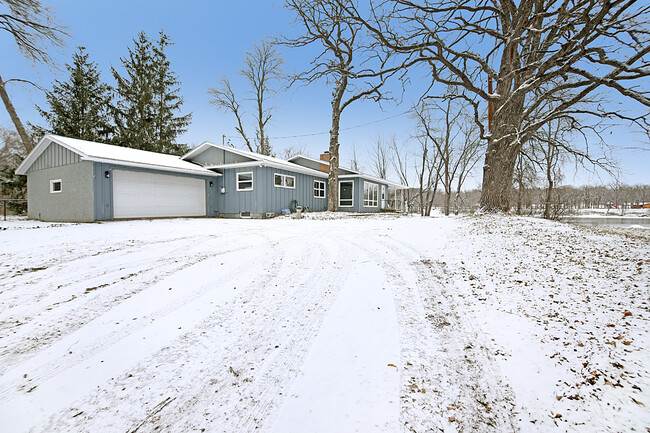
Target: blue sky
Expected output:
[211,39]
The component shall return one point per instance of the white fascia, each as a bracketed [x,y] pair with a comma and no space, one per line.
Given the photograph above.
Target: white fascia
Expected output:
[154,167]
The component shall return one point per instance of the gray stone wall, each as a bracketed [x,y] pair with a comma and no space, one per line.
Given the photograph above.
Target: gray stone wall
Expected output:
[75,202]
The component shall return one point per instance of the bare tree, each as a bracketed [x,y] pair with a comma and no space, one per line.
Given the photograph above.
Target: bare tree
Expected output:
[262,67]
[456,142]
[548,60]
[549,143]
[379,156]
[34,31]
[349,60]
[428,173]
[291,151]
[354,161]
[400,163]
[524,179]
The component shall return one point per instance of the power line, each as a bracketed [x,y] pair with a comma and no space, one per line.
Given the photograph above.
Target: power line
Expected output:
[327,132]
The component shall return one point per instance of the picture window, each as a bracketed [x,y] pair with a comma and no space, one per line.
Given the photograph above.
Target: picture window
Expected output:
[284,181]
[370,194]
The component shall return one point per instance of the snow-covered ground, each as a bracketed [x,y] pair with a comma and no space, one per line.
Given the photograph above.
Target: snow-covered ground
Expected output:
[329,324]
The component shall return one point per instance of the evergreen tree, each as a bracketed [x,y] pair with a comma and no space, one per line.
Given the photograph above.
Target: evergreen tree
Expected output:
[79,107]
[145,114]
[166,90]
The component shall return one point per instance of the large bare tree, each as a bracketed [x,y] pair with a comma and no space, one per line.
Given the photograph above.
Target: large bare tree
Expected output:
[262,67]
[525,62]
[348,60]
[32,26]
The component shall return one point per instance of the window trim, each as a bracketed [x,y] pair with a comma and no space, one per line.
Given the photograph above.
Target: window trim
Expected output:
[251,181]
[324,190]
[371,187]
[342,182]
[52,182]
[283,183]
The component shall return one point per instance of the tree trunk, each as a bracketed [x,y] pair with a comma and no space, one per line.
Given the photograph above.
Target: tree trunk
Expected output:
[24,136]
[504,143]
[497,177]
[333,178]
[447,202]
[549,192]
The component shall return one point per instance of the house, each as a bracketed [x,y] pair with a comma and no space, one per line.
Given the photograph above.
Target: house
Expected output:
[76,180]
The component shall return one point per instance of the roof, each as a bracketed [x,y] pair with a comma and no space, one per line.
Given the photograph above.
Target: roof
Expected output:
[320,161]
[353,173]
[374,179]
[259,160]
[100,152]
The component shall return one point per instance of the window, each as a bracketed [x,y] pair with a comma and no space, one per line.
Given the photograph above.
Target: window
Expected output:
[245,181]
[370,193]
[284,181]
[346,194]
[56,186]
[319,189]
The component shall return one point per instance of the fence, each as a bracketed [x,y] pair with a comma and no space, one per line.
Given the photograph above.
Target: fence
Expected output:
[5,201]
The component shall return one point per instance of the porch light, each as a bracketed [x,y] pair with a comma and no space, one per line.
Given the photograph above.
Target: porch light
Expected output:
[107,174]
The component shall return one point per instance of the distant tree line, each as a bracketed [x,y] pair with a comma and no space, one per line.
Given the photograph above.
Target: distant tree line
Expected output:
[566,199]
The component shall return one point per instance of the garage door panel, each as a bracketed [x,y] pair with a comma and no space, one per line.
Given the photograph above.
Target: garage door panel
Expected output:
[140,194]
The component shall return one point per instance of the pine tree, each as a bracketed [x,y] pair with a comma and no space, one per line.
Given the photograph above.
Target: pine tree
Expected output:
[167,102]
[145,115]
[79,107]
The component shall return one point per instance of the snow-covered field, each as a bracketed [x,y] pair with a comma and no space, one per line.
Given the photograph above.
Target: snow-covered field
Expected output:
[366,324]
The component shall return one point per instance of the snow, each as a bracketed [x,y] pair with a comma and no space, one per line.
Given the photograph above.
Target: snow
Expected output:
[92,151]
[335,322]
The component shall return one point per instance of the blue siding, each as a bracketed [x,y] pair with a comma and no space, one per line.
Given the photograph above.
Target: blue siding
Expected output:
[266,197]
[103,188]
[358,196]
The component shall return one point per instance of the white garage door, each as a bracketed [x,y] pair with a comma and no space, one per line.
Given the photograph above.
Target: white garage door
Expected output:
[142,195]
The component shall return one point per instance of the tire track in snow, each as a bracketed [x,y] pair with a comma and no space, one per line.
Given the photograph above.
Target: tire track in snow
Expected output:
[41,323]
[283,334]
[449,382]
[240,336]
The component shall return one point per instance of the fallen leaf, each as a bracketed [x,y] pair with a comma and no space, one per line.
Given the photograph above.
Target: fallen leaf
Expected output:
[393,365]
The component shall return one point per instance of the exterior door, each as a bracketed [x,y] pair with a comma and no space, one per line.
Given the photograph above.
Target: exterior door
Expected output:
[346,194]
[383,196]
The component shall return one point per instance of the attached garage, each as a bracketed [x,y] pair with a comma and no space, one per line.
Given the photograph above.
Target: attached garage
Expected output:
[149,195]
[77,180]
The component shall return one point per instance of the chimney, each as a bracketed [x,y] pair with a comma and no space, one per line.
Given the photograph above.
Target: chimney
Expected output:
[325,157]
